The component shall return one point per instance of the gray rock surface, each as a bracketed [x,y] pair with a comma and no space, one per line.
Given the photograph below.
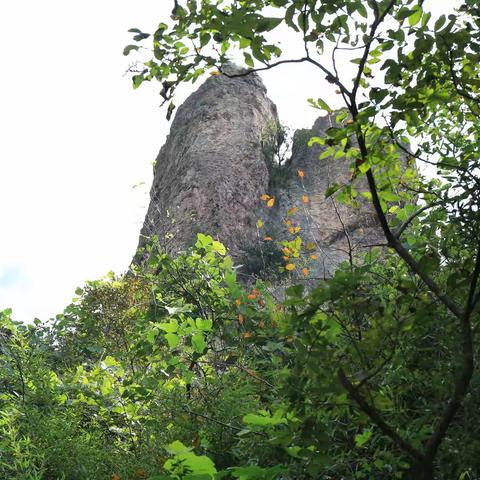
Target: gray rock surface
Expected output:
[211,171]
[339,232]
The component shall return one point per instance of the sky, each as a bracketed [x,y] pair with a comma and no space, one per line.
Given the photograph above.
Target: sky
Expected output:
[76,139]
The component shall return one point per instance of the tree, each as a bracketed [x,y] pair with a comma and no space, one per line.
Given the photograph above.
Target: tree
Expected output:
[416,83]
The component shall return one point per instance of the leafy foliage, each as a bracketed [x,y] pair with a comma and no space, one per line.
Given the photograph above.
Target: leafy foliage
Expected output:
[176,370]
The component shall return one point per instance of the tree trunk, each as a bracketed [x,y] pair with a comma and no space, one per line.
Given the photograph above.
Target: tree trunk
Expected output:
[420,471]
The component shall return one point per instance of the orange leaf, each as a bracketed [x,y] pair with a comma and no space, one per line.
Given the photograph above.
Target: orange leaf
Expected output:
[349,121]
[246,335]
[271,203]
[268,239]
[214,73]
[292,211]
[261,302]
[252,296]
[313,256]
[241,319]
[289,267]
[264,197]
[305,199]
[238,301]
[115,477]
[301,173]
[305,271]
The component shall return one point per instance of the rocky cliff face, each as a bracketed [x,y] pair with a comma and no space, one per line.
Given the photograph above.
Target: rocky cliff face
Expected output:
[215,166]
[211,171]
[338,232]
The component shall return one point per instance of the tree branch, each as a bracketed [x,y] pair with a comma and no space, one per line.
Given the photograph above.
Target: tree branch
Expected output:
[376,417]
[378,20]
[412,217]
[396,245]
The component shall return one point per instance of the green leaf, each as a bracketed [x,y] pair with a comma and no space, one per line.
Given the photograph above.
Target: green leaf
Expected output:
[416,16]
[198,343]
[170,327]
[254,472]
[204,325]
[439,23]
[219,247]
[264,419]
[177,447]
[129,48]
[204,38]
[267,24]
[289,14]
[362,10]
[172,340]
[362,438]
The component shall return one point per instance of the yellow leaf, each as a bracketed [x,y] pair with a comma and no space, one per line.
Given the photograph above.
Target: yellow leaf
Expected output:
[311,246]
[246,335]
[271,203]
[349,121]
[264,197]
[259,223]
[241,319]
[214,73]
[289,267]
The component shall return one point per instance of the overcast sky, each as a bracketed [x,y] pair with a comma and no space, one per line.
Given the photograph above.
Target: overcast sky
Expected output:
[76,138]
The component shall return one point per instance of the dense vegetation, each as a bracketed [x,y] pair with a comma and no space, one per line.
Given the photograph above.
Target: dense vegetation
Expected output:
[176,370]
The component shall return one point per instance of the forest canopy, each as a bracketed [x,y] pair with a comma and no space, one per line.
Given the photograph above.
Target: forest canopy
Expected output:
[177,370]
